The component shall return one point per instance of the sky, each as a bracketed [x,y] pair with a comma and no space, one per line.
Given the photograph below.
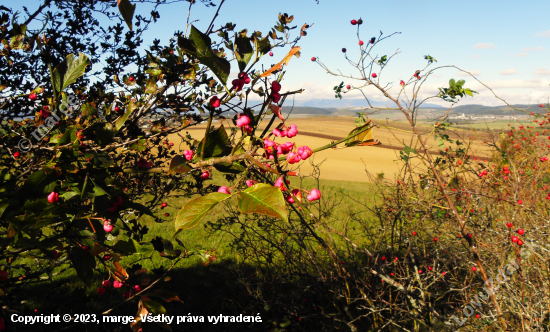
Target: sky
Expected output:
[505,44]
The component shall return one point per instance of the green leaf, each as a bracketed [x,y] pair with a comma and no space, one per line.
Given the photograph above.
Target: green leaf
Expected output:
[366,136]
[468,92]
[153,71]
[131,246]
[263,199]
[154,307]
[193,211]
[262,45]
[40,182]
[127,11]
[151,85]
[243,50]
[83,263]
[234,168]
[217,144]
[452,82]
[129,109]
[68,137]
[140,145]
[3,208]
[178,165]
[69,70]
[106,134]
[440,143]
[408,150]
[199,45]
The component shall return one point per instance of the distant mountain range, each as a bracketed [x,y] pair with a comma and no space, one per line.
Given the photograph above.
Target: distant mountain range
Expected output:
[329,107]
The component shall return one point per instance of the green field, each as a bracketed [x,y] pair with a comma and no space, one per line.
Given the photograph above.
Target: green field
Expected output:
[204,290]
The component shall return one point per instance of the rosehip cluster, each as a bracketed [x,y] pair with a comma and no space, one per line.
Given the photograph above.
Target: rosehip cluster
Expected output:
[270,146]
[241,81]
[291,132]
[188,154]
[114,206]
[275,87]
[215,102]
[543,159]
[143,163]
[243,120]
[53,197]
[484,172]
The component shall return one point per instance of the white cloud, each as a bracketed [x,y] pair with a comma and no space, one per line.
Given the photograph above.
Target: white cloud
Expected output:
[514,91]
[538,48]
[476,56]
[542,71]
[484,46]
[519,55]
[473,72]
[508,72]
[543,33]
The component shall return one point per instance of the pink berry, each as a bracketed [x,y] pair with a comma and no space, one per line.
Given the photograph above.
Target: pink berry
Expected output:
[107,283]
[313,59]
[101,290]
[414,233]
[167,214]
[215,102]
[117,284]
[131,79]
[360,43]
[53,197]
[223,190]
[250,183]
[16,154]
[107,227]
[515,239]
[474,268]
[520,201]
[243,120]
[520,243]
[541,105]
[435,239]
[314,195]
[205,175]
[374,75]
[353,22]
[163,205]
[270,53]
[348,86]
[509,224]
[33,96]
[137,288]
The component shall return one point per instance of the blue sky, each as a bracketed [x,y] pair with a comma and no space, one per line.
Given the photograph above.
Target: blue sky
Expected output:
[505,43]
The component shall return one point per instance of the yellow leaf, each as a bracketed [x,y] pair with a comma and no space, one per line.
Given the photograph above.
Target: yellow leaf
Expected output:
[285,60]
[120,273]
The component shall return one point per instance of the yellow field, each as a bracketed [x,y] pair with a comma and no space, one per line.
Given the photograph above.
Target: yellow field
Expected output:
[351,164]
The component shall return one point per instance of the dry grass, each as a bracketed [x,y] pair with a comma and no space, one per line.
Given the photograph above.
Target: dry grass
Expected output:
[349,164]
